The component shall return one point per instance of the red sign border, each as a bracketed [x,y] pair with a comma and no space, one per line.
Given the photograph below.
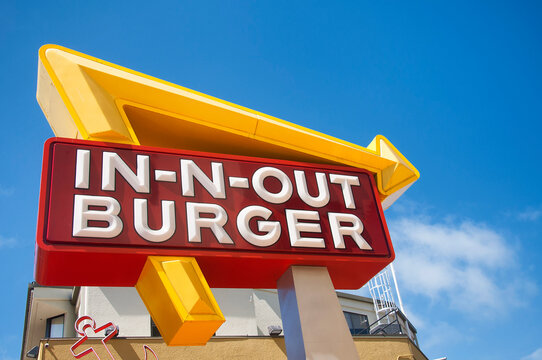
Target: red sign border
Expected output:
[113,266]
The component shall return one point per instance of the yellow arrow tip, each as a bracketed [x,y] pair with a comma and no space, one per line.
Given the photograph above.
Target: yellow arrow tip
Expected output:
[398,175]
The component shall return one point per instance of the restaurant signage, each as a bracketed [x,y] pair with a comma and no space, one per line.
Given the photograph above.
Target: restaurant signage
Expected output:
[105,207]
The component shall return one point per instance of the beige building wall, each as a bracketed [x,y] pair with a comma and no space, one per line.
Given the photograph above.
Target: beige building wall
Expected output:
[267,310]
[248,312]
[121,306]
[262,348]
[46,303]
[352,303]
[244,335]
[237,305]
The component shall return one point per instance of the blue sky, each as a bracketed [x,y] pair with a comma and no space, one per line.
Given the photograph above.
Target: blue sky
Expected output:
[455,86]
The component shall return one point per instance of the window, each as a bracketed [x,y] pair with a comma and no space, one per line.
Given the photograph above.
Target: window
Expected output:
[54,327]
[154,329]
[357,323]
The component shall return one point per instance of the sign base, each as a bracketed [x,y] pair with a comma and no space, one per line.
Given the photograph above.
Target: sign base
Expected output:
[313,321]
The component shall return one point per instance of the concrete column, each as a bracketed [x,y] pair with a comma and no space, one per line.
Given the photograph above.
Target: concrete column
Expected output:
[313,321]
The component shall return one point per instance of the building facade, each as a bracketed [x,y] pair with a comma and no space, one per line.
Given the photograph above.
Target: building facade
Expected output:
[253,326]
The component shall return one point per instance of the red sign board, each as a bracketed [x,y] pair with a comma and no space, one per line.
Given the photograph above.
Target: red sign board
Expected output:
[105,207]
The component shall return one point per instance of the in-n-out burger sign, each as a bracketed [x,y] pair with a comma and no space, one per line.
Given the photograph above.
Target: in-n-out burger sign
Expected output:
[104,208]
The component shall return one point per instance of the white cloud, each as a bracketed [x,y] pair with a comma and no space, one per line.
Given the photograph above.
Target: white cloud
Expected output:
[418,321]
[441,334]
[535,355]
[530,215]
[7,242]
[469,266]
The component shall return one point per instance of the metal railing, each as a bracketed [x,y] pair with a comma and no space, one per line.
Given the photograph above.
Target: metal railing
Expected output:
[395,323]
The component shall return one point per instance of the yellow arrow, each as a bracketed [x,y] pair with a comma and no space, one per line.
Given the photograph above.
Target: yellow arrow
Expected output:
[88,98]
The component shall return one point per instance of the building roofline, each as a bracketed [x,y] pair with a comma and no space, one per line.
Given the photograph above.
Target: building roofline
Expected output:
[25,327]
[34,284]
[344,295]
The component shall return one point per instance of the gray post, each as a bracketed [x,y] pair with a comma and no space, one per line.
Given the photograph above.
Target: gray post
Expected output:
[313,321]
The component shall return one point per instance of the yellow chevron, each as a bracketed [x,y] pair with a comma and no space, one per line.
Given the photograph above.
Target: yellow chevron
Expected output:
[88,98]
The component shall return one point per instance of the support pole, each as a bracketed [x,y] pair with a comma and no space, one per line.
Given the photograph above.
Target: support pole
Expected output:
[313,321]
